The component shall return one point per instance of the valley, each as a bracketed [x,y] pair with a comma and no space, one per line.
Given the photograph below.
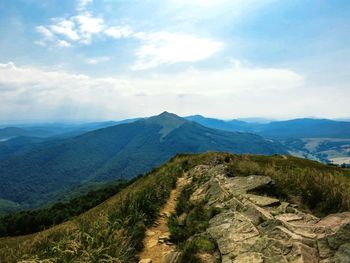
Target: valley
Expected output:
[38,173]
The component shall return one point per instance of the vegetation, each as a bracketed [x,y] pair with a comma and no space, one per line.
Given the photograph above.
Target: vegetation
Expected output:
[320,188]
[198,244]
[32,178]
[113,231]
[188,222]
[31,221]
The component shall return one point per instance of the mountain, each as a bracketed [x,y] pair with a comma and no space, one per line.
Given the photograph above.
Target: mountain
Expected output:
[296,128]
[232,125]
[305,128]
[256,120]
[28,137]
[53,129]
[121,151]
[12,132]
[213,207]
[316,139]
[19,145]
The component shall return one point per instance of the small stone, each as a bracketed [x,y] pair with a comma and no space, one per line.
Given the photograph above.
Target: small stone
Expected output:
[145,260]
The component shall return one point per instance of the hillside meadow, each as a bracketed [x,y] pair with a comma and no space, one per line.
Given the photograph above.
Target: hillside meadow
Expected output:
[113,231]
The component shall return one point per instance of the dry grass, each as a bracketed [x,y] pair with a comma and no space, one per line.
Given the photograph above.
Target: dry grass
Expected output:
[113,231]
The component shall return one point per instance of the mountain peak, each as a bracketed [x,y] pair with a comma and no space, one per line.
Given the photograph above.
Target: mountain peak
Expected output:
[168,121]
[168,115]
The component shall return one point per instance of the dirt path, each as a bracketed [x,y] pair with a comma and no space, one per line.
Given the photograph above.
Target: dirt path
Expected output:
[156,243]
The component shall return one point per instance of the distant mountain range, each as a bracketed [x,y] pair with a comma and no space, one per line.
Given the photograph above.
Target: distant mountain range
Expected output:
[54,129]
[34,176]
[297,128]
[317,139]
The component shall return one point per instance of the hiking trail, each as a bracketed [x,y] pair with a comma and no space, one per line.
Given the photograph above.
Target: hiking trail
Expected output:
[156,243]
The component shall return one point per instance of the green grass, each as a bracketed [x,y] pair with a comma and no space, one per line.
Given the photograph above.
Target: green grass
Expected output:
[31,221]
[113,231]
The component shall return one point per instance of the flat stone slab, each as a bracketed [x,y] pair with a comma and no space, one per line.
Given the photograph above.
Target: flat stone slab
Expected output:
[241,185]
[289,217]
[262,200]
[233,231]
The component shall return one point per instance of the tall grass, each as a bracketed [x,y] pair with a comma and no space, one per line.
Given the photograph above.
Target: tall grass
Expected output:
[112,232]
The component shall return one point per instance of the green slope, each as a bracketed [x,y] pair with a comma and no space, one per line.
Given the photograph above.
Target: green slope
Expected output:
[113,231]
[121,151]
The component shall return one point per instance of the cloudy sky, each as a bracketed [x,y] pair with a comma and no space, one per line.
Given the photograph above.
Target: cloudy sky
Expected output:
[115,59]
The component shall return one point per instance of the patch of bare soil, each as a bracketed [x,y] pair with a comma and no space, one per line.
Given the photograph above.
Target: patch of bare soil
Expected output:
[156,242]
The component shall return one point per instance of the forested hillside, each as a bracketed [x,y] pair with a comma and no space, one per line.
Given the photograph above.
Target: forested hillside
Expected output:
[121,151]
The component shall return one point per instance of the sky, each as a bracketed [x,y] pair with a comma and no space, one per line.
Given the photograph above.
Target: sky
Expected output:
[114,59]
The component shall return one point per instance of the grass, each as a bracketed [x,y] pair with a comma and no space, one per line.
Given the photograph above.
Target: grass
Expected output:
[110,232]
[190,220]
[113,231]
[319,188]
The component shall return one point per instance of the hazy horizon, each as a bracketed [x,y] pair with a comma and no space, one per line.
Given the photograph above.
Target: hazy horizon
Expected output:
[83,121]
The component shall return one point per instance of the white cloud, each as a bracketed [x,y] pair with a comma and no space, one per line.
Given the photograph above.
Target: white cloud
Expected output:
[79,28]
[65,28]
[82,4]
[63,43]
[46,33]
[168,48]
[97,60]
[118,32]
[156,48]
[88,26]
[240,91]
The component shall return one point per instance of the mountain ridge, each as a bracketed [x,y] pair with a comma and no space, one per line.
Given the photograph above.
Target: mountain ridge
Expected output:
[241,206]
[121,151]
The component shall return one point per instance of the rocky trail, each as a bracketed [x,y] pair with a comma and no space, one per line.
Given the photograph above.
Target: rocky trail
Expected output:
[257,228]
[252,226]
[156,244]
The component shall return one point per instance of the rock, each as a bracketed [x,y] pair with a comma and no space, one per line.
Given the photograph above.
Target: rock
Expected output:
[283,207]
[244,184]
[250,257]
[303,254]
[255,213]
[254,228]
[205,258]
[146,260]
[343,254]
[164,237]
[336,236]
[262,200]
[288,217]
[199,194]
[233,232]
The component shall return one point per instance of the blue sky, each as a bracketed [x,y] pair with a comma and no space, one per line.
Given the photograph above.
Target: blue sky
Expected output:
[114,59]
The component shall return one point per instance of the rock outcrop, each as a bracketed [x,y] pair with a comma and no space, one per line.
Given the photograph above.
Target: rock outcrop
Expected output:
[253,227]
